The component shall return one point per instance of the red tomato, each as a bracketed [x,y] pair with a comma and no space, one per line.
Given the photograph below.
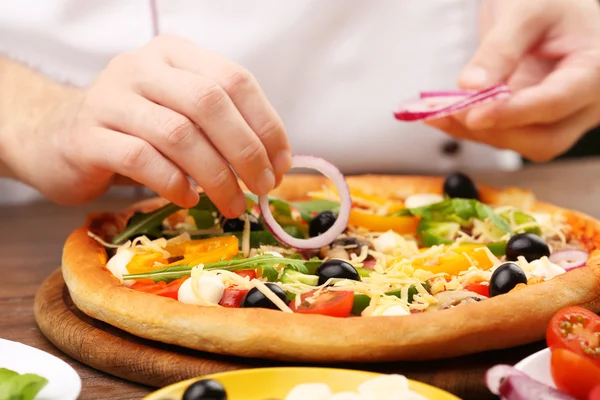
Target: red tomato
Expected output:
[172,289]
[329,302]
[595,394]
[148,287]
[576,329]
[248,273]
[479,288]
[574,374]
[233,297]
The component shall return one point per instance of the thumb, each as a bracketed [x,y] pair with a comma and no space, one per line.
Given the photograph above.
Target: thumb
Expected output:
[518,27]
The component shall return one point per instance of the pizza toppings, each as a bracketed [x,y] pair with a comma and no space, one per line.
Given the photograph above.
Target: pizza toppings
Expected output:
[461,186]
[527,245]
[340,224]
[205,389]
[267,295]
[569,258]
[203,290]
[336,269]
[505,278]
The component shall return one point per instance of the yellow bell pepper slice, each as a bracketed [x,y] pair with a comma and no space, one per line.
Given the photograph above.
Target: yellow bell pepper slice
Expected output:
[383,223]
[464,257]
[194,252]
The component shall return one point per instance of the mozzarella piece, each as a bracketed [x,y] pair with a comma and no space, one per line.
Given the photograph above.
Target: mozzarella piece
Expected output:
[117,265]
[201,291]
[313,391]
[395,311]
[384,387]
[387,242]
[422,200]
[545,268]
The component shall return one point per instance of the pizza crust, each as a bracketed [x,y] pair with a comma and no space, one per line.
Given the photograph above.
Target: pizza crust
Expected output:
[505,321]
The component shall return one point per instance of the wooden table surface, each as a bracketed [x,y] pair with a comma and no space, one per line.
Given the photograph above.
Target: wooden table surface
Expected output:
[31,239]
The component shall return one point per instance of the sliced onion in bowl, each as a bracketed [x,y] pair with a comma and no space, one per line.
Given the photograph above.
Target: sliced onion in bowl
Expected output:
[524,388]
[430,105]
[330,171]
[498,374]
[569,258]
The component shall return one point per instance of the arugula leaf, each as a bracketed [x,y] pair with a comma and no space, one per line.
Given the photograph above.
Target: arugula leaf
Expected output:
[270,273]
[259,262]
[146,223]
[306,208]
[14,386]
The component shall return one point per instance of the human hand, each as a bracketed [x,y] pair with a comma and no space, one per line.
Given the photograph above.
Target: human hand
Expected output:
[156,115]
[548,52]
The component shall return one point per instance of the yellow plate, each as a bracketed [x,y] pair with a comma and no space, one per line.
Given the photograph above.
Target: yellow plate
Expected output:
[275,383]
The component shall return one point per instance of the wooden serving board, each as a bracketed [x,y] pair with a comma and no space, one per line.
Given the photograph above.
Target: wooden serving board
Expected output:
[118,353]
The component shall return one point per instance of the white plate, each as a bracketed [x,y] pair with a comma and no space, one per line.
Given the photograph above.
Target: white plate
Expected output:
[537,366]
[63,381]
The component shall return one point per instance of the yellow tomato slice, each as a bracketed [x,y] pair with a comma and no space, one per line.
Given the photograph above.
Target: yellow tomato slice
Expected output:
[383,223]
[194,252]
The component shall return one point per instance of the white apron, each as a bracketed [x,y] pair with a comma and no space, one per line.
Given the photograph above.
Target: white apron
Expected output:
[334,70]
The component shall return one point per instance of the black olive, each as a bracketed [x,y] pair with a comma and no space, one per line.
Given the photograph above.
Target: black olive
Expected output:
[206,389]
[321,223]
[352,245]
[339,269]
[460,185]
[505,278]
[528,245]
[237,224]
[255,298]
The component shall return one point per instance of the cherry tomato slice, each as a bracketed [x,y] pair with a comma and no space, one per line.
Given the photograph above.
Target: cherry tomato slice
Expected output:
[172,289]
[483,290]
[148,287]
[595,393]
[574,374]
[248,273]
[576,329]
[329,302]
[233,297]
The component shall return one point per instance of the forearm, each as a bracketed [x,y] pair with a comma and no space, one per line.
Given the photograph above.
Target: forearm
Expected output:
[26,99]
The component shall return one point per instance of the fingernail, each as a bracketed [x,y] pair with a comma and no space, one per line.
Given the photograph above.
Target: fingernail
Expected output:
[266,182]
[191,196]
[474,77]
[283,162]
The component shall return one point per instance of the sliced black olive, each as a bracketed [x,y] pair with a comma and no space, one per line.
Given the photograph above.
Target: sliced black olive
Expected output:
[237,224]
[338,269]
[321,223]
[206,389]
[352,245]
[505,278]
[255,299]
[460,185]
[528,245]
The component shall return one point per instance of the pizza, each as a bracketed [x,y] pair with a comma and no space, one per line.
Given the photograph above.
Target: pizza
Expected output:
[339,269]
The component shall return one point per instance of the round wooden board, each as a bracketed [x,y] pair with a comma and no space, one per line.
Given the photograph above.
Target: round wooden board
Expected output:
[118,353]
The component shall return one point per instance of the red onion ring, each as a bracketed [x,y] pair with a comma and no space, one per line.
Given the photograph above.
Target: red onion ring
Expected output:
[334,174]
[569,258]
[497,374]
[437,106]
[524,388]
[447,93]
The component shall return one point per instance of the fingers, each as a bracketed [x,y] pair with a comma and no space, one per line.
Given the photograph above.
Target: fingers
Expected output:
[245,93]
[536,142]
[208,106]
[181,141]
[562,93]
[518,27]
[132,157]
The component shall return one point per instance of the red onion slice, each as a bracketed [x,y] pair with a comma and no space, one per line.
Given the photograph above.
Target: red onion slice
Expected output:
[569,258]
[525,388]
[430,107]
[334,174]
[447,93]
[497,374]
